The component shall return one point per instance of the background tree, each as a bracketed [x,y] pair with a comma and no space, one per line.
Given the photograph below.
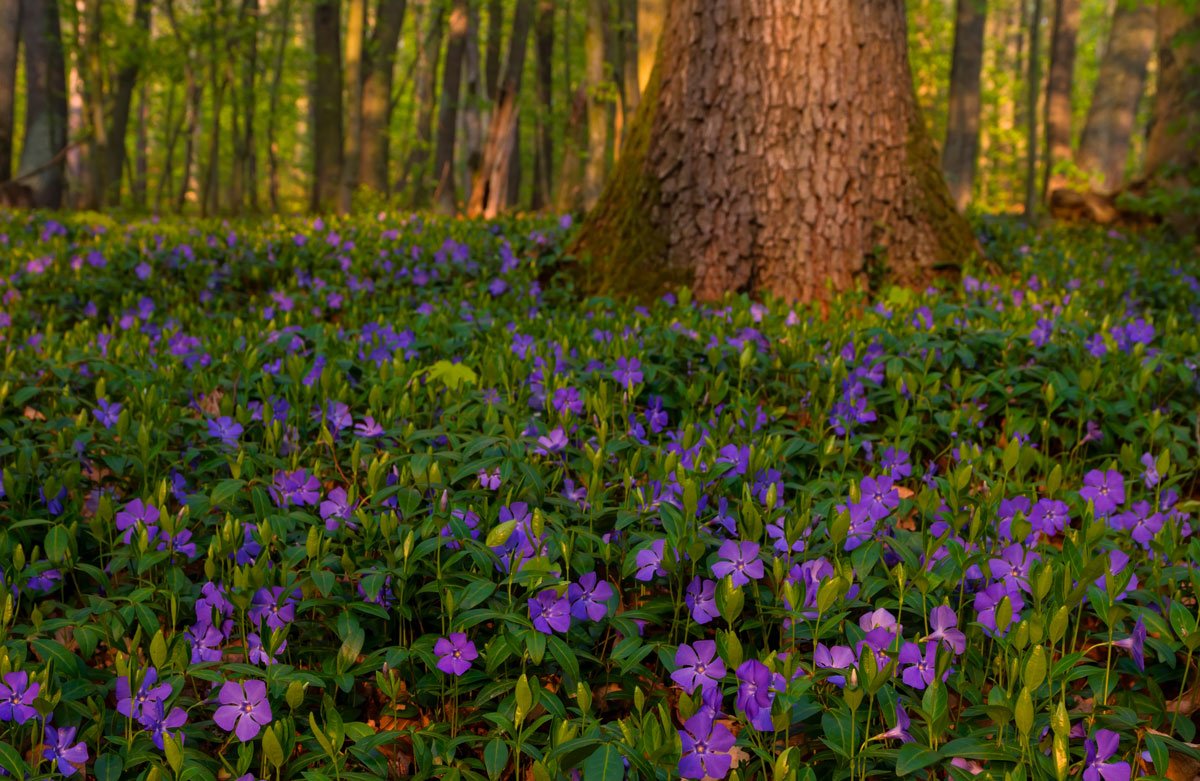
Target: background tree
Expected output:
[962,128]
[718,185]
[43,154]
[10,22]
[1058,94]
[327,105]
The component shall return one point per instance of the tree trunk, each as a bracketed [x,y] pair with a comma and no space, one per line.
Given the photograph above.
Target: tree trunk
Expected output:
[495,33]
[721,186]
[94,98]
[285,19]
[570,177]
[490,192]
[651,16]
[472,115]
[210,188]
[327,105]
[355,36]
[141,160]
[632,89]
[543,153]
[1104,145]
[598,104]
[446,195]
[244,179]
[1172,151]
[10,23]
[43,152]
[416,168]
[961,151]
[380,62]
[1058,95]
[1033,80]
[122,101]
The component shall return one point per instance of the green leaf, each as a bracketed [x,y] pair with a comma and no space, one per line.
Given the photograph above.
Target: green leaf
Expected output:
[914,756]
[495,757]
[272,749]
[474,593]
[58,544]
[500,534]
[108,767]
[224,491]
[11,761]
[452,375]
[604,765]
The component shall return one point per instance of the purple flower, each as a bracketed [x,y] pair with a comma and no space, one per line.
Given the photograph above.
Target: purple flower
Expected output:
[900,730]
[628,372]
[267,604]
[489,479]
[589,597]
[136,512]
[698,666]
[1105,490]
[70,759]
[1150,476]
[756,692]
[738,457]
[740,561]
[368,428]
[549,612]
[244,708]
[148,695]
[944,623]
[225,429]
[706,747]
[881,629]
[106,413]
[989,599]
[554,442]
[1013,567]
[1135,644]
[335,509]
[159,723]
[1099,749]
[878,499]
[1049,517]
[455,653]
[922,667]
[261,654]
[295,487]
[17,696]
[701,600]
[649,561]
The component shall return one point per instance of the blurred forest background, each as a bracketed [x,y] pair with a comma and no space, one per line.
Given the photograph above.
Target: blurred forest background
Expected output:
[231,107]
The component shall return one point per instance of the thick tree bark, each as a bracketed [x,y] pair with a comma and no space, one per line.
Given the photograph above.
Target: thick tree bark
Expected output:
[446,195]
[416,167]
[543,153]
[779,149]
[1058,94]
[10,23]
[374,148]
[598,105]
[1032,80]
[122,101]
[961,151]
[1173,150]
[327,105]
[43,153]
[1104,145]
[491,191]
[356,25]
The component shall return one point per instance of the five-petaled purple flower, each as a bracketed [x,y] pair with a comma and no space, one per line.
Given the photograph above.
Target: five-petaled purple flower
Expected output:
[701,600]
[107,414]
[589,597]
[16,697]
[455,653]
[226,429]
[550,612]
[1097,751]
[244,708]
[706,747]
[296,487]
[148,695]
[1105,490]
[272,605]
[699,666]
[740,561]
[69,758]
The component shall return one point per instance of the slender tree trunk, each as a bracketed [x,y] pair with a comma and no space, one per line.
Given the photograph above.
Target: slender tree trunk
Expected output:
[243,180]
[490,193]
[187,184]
[175,127]
[1033,80]
[961,151]
[416,168]
[327,105]
[472,115]
[652,14]
[1172,150]
[10,23]
[210,188]
[355,36]
[632,89]
[1104,145]
[495,34]
[598,106]
[94,98]
[446,195]
[570,178]
[778,148]
[122,101]
[141,163]
[379,69]
[43,152]
[273,106]
[1058,94]
[543,158]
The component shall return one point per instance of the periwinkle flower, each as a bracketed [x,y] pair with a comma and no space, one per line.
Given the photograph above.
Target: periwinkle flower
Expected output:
[899,731]
[489,479]
[1135,644]
[589,597]
[707,744]
[554,442]
[271,604]
[70,759]
[988,601]
[838,657]
[455,653]
[698,666]
[1105,490]
[148,695]
[136,512]
[1049,517]
[649,561]
[944,623]
[628,372]
[336,509]
[295,488]
[738,560]
[107,413]
[1097,751]
[226,430]
[16,697]
[1150,474]
[701,600]
[757,686]
[244,709]
[920,667]
[550,612]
